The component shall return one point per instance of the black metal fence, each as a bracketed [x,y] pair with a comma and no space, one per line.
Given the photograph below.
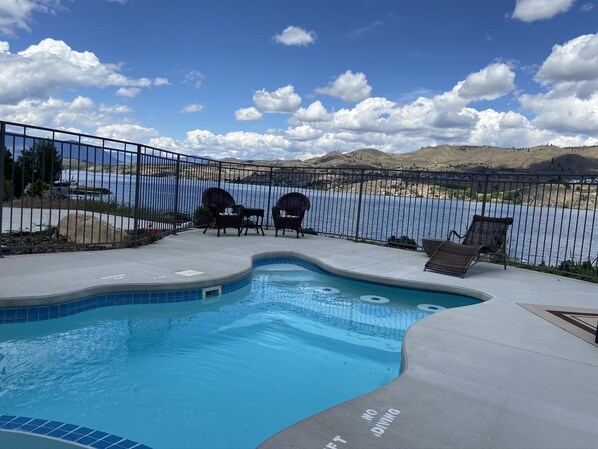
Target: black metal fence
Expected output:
[64,190]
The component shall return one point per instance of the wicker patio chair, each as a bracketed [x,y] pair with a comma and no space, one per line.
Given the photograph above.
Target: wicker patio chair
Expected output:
[289,212]
[225,212]
[485,235]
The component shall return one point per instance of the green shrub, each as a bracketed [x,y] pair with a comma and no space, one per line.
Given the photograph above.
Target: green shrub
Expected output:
[584,268]
[404,242]
[38,188]
[7,190]
[202,216]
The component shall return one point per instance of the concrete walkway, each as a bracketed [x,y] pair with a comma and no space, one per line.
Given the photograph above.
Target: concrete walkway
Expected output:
[493,375]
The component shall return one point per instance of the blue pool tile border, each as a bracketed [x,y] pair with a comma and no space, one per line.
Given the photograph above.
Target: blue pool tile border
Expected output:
[41,313]
[70,433]
[290,260]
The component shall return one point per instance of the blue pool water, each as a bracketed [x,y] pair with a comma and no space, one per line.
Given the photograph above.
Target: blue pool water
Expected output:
[225,373]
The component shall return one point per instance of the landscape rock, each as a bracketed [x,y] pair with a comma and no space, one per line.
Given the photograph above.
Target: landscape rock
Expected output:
[86,229]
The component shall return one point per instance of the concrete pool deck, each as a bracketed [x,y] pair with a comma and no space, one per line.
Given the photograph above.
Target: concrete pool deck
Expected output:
[493,375]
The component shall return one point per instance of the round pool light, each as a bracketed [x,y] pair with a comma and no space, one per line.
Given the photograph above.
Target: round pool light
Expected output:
[373,299]
[326,290]
[430,307]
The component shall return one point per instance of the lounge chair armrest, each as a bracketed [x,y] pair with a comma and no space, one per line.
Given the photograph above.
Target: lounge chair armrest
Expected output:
[275,211]
[455,233]
[237,208]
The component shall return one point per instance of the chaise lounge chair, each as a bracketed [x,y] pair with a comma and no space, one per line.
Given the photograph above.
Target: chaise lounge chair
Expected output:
[220,202]
[289,212]
[485,235]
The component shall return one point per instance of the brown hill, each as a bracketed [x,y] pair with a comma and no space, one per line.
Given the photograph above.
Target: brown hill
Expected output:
[569,163]
[364,158]
[546,158]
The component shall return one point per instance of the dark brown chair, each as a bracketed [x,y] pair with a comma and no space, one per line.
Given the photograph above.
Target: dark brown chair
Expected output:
[225,212]
[289,212]
[485,236]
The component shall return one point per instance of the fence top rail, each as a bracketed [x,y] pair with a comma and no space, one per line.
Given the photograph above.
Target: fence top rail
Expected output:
[371,173]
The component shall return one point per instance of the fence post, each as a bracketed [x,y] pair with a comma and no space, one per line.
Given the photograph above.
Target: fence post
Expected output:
[219,174]
[359,204]
[137,196]
[484,195]
[267,211]
[176,193]
[2,156]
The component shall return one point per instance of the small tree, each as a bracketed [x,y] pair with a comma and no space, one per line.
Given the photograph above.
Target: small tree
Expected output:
[7,164]
[42,161]
[11,173]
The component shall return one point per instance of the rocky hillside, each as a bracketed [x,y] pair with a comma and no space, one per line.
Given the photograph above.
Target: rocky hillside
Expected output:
[546,158]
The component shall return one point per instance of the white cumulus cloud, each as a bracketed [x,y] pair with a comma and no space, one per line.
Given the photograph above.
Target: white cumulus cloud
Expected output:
[242,145]
[350,87]
[128,132]
[295,36]
[195,78]
[16,14]
[51,65]
[115,109]
[493,81]
[190,108]
[128,92]
[532,10]
[372,114]
[564,114]
[161,82]
[248,114]
[303,132]
[315,112]
[283,99]
[57,113]
[575,60]
[570,72]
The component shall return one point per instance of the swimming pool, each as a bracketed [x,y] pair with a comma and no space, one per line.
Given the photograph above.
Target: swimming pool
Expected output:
[228,371]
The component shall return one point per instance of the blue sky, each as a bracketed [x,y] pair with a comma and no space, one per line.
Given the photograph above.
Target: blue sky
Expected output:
[291,80]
